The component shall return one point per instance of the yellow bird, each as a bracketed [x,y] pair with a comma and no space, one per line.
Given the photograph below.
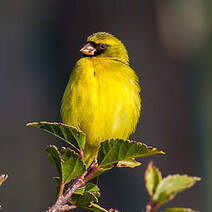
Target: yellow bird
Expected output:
[102,96]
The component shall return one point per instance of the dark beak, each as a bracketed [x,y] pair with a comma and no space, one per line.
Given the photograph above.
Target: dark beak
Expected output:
[88,49]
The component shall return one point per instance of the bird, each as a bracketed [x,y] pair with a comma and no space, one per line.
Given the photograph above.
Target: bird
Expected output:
[102,97]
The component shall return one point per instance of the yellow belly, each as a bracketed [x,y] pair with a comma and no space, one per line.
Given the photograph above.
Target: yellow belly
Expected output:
[102,99]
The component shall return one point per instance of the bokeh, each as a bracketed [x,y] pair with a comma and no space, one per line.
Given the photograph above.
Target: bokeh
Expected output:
[169,45]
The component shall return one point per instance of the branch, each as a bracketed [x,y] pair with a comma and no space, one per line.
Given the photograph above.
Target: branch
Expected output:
[61,203]
[68,207]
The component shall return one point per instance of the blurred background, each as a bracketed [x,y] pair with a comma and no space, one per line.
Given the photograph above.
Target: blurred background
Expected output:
[170,48]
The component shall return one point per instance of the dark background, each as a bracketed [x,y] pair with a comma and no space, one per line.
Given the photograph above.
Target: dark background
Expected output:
[169,44]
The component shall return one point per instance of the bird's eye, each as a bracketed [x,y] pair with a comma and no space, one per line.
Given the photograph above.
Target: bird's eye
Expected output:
[103,46]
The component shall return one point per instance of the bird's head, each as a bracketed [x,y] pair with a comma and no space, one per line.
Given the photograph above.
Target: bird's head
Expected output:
[105,45]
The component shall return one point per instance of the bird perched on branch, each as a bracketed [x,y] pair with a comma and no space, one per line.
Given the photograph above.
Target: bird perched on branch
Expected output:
[102,96]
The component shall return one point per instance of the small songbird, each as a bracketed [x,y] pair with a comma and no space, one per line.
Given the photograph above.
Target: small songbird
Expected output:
[102,96]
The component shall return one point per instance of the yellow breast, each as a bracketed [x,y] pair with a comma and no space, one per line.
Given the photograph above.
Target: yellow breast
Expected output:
[102,99]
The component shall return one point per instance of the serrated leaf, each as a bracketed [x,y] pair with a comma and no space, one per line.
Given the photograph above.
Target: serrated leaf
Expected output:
[171,185]
[72,165]
[115,150]
[69,165]
[55,158]
[89,187]
[130,163]
[84,200]
[152,178]
[85,196]
[87,201]
[96,208]
[58,182]
[69,134]
[179,210]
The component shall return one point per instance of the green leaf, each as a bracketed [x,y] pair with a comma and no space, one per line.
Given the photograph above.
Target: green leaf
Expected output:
[179,210]
[84,200]
[68,164]
[130,163]
[69,134]
[55,158]
[152,178]
[115,150]
[88,201]
[89,187]
[58,182]
[85,196]
[171,185]
[72,165]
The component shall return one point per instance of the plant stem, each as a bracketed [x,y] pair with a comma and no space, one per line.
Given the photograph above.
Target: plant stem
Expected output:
[81,154]
[152,207]
[63,199]
[61,190]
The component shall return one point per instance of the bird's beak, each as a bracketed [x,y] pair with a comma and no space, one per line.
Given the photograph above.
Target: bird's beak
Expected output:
[88,49]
